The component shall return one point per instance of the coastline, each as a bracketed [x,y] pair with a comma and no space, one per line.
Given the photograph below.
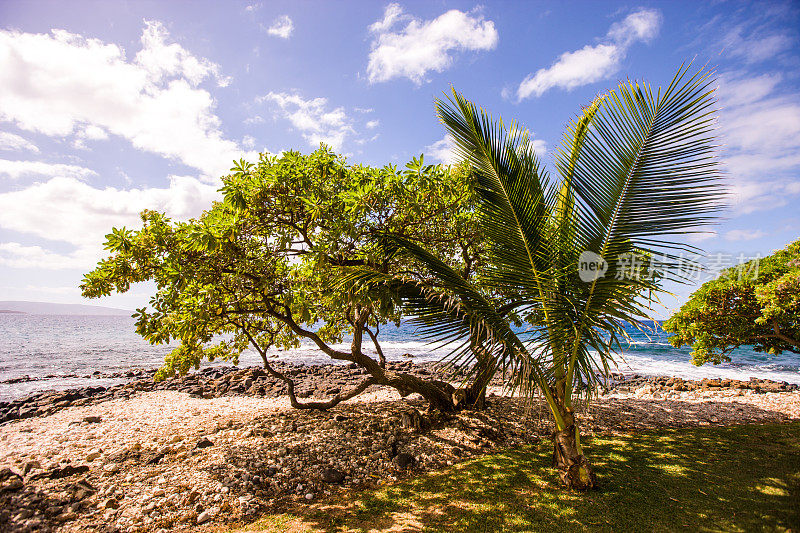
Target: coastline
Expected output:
[140,460]
[318,382]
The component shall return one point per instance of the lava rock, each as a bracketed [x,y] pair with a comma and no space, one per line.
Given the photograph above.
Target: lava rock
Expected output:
[203,443]
[9,480]
[403,460]
[331,475]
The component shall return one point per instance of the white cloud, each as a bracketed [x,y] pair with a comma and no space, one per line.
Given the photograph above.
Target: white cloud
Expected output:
[443,149]
[424,46]
[71,211]
[314,119]
[61,84]
[706,234]
[760,126]
[372,124]
[93,133]
[749,195]
[163,61]
[744,235]
[89,133]
[16,255]
[391,15]
[736,90]
[593,63]
[19,169]
[9,141]
[754,43]
[257,119]
[282,27]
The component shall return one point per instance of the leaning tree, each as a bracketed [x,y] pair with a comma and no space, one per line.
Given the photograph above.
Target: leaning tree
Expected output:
[574,258]
[753,304]
[257,270]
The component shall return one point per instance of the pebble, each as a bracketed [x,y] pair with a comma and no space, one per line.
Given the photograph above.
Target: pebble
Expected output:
[207,515]
[111,503]
[111,468]
[94,454]
[288,454]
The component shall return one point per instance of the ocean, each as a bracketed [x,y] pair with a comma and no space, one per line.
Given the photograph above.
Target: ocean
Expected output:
[64,351]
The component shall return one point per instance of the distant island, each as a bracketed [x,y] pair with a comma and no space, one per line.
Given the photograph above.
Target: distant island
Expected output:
[47,308]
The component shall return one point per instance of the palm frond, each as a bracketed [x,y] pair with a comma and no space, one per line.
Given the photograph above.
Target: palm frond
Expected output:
[648,171]
[511,184]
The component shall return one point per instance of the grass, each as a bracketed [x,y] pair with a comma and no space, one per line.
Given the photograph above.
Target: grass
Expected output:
[740,478]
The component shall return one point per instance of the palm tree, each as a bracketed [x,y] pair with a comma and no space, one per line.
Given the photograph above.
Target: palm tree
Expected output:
[575,259]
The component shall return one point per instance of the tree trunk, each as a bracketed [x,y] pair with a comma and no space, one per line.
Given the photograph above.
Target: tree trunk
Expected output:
[574,469]
[475,393]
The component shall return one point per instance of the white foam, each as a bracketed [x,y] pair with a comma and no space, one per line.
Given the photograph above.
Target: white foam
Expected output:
[646,365]
[629,363]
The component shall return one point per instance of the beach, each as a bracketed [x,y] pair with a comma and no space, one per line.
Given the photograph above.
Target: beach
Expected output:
[168,459]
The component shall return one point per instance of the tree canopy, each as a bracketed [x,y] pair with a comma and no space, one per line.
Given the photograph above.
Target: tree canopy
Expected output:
[755,304]
[576,257]
[257,269]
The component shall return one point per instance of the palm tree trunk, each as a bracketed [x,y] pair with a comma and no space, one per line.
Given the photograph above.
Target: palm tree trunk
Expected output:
[574,469]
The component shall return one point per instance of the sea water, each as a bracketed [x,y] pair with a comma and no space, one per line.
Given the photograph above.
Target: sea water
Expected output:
[62,351]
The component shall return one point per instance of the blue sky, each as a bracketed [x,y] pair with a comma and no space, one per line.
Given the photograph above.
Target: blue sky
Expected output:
[108,108]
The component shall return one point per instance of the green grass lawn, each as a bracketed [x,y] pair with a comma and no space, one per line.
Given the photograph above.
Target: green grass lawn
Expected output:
[744,478]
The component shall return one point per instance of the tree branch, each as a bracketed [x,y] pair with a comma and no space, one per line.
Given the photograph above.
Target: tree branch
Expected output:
[355,391]
[783,337]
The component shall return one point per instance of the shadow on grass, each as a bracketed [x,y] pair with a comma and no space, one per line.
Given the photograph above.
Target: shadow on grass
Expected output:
[741,478]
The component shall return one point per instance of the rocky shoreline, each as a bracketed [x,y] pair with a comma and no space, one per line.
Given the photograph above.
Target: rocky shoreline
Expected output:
[223,446]
[315,381]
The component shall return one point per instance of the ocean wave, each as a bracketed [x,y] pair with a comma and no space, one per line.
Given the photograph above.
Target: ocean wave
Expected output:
[649,366]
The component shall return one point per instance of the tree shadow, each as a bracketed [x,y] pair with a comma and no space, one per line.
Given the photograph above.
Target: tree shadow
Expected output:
[743,478]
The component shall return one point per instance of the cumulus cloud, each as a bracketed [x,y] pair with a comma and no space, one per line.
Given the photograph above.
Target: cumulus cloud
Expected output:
[68,210]
[10,141]
[593,63]
[62,84]
[314,118]
[164,61]
[424,46]
[441,150]
[18,169]
[282,27]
